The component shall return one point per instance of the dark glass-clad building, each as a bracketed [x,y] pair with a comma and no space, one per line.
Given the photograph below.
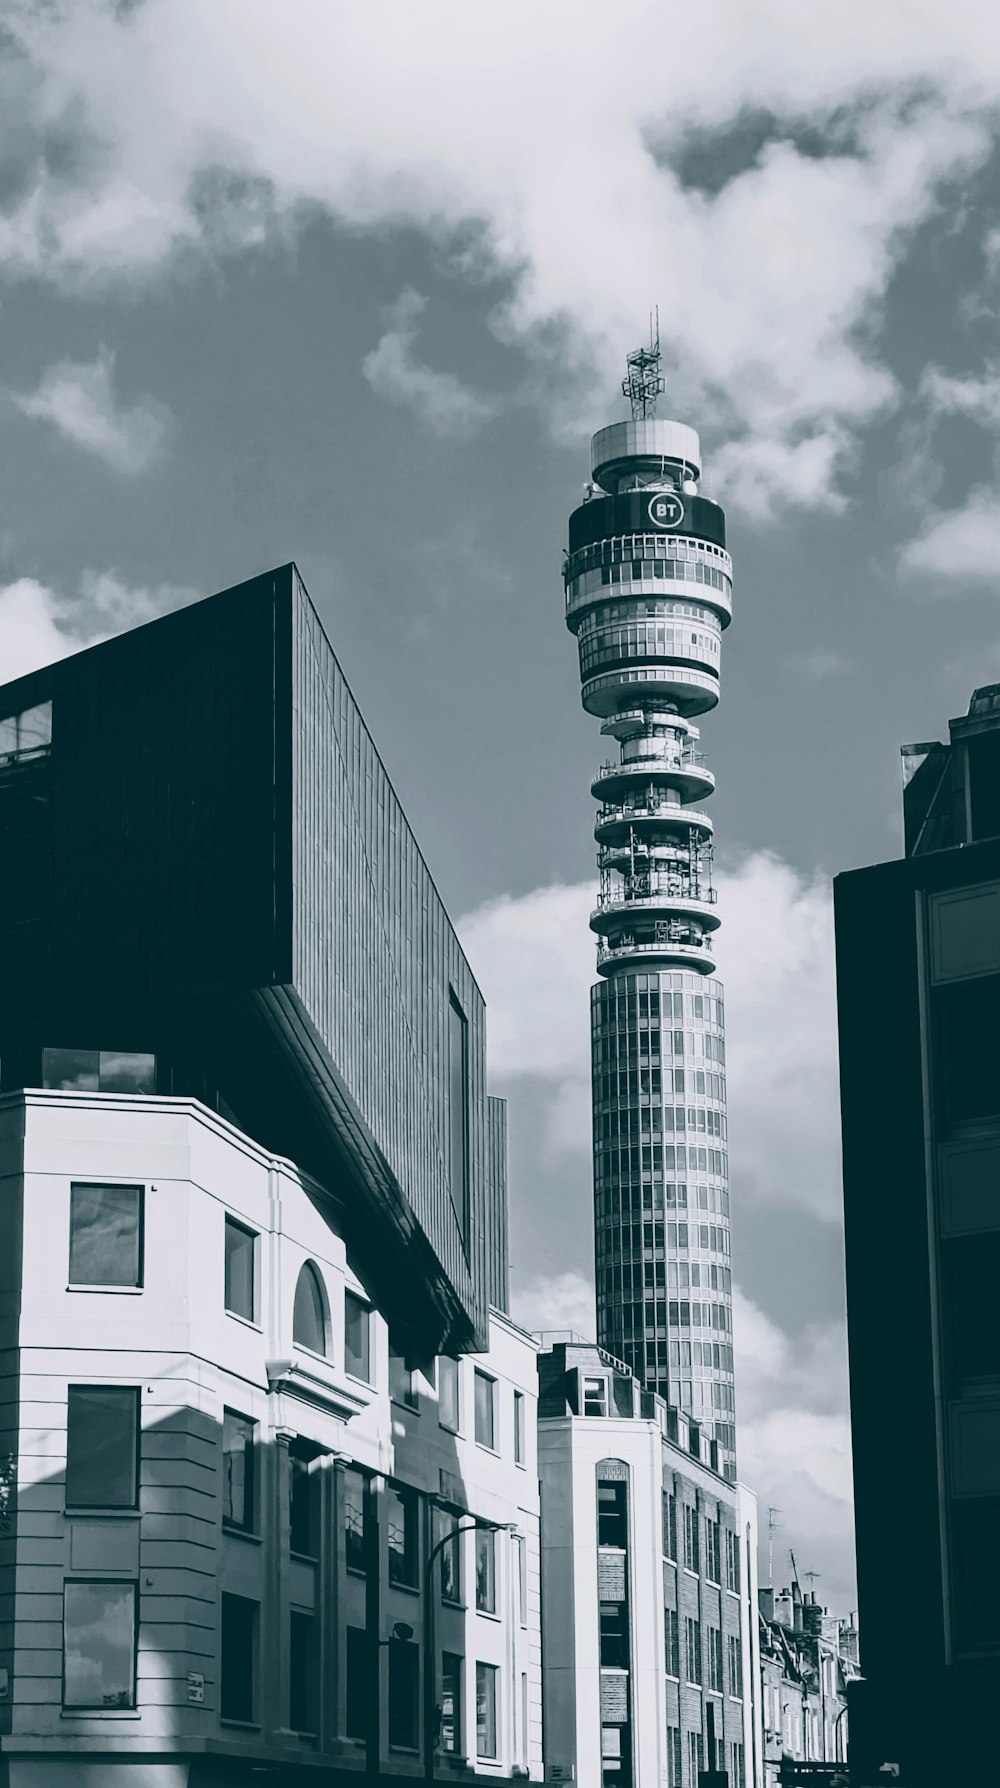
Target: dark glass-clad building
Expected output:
[205,862]
[918,974]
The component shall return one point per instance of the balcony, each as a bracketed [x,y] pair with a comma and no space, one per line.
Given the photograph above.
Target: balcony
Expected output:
[683,771]
[689,691]
[624,952]
[613,824]
[676,904]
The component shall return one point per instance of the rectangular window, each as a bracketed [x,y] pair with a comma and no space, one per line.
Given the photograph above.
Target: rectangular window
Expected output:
[105,1235]
[672,1641]
[451,1701]
[98,1643]
[486,1570]
[238,1672]
[401,1386]
[401,1516]
[675,1766]
[967,1023]
[694,1756]
[241,1270]
[715,1679]
[446,1525]
[304,1482]
[486,1710]
[357,1337]
[612,1514]
[356,1683]
[519,1428]
[692,1649]
[670,1525]
[737,1770]
[735,1651]
[713,1551]
[486,1391]
[458,1110]
[449,1385]
[732,1559]
[692,1551]
[355,1528]
[614,1652]
[595,1396]
[102,1447]
[238,1474]
[303,1669]
[98,1070]
[404,1672]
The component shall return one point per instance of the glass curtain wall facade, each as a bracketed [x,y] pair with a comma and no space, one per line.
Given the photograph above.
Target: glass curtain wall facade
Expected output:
[648,594]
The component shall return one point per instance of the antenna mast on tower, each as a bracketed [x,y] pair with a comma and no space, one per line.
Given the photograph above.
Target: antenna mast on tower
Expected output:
[644,382]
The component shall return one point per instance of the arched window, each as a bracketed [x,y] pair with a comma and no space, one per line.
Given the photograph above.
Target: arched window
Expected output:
[309,1319]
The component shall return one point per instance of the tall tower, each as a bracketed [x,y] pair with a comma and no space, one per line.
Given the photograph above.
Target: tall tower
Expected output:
[648,593]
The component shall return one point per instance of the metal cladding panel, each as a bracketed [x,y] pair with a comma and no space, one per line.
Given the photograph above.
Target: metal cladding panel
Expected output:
[375,961]
[605,518]
[491,1232]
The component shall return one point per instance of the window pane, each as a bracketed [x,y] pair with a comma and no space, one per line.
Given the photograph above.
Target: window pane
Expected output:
[357,1338]
[239,1658]
[105,1225]
[102,1427]
[448,1382]
[458,1109]
[450,1555]
[403,1671]
[237,1470]
[401,1531]
[401,1387]
[519,1435]
[486,1571]
[71,1070]
[356,1724]
[485,1423]
[450,1736]
[127,1073]
[354,1520]
[309,1313]
[303,1662]
[99,1644]
[304,1493]
[240,1261]
[486,1710]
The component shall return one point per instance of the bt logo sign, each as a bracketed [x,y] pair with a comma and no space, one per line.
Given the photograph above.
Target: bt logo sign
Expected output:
[665,509]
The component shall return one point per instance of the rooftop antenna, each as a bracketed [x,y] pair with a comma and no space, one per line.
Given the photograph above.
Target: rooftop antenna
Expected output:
[771,1525]
[644,382]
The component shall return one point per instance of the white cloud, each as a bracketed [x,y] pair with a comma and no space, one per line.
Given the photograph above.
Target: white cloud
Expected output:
[78,398]
[534,959]
[822,664]
[39,625]
[190,128]
[442,402]
[977,398]
[556,1301]
[960,543]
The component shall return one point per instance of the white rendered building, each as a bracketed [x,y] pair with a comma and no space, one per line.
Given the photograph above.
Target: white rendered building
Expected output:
[649,1568]
[221,1487]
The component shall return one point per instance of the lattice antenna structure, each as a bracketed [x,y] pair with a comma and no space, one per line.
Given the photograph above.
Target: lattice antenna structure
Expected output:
[644,383]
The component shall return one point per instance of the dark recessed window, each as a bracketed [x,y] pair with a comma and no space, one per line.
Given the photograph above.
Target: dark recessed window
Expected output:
[401,1517]
[303,1669]
[520,1437]
[401,1386]
[612,1514]
[448,1393]
[357,1337]
[98,1643]
[447,1531]
[238,1673]
[486,1570]
[458,1110]
[486,1710]
[404,1673]
[98,1071]
[486,1422]
[305,1463]
[309,1322]
[102,1447]
[241,1270]
[451,1701]
[970,1276]
[238,1471]
[355,1520]
[967,1047]
[357,1668]
[105,1235]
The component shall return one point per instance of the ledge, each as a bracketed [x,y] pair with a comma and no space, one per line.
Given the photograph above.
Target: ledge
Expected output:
[308,1382]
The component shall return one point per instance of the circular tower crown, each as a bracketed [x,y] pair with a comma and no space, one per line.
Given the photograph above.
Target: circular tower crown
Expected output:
[646,451]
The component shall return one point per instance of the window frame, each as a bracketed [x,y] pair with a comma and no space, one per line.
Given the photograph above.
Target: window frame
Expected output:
[520,1429]
[112,1285]
[134,1392]
[450,1369]
[236,1223]
[491,1673]
[117,1583]
[253,1604]
[249,1524]
[485,1378]
[309,1270]
[398,1649]
[486,1546]
[409,1502]
[457,1660]
[308,1678]
[354,1300]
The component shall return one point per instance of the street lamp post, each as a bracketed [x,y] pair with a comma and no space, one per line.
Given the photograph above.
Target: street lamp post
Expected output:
[468,1524]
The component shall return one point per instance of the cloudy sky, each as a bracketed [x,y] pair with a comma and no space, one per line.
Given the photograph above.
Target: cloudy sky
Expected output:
[352,285]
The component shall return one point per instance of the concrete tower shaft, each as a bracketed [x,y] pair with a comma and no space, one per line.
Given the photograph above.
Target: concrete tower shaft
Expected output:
[648,595]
